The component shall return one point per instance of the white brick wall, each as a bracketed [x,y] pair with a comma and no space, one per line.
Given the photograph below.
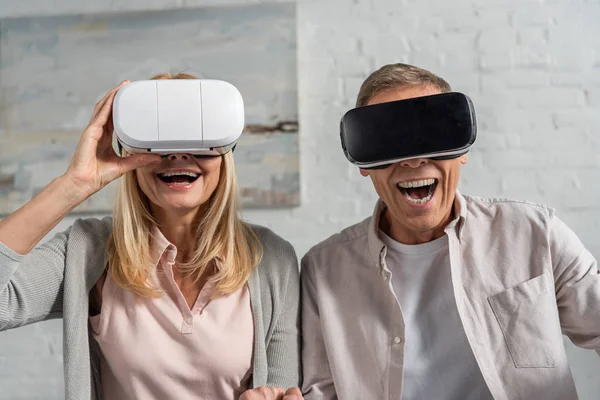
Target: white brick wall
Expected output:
[532,68]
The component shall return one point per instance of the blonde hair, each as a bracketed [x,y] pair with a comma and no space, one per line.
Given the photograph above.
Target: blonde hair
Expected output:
[221,234]
[397,75]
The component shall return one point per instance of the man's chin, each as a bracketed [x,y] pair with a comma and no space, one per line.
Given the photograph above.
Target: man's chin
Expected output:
[423,223]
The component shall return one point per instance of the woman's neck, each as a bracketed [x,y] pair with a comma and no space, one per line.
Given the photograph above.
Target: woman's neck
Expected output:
[180,229]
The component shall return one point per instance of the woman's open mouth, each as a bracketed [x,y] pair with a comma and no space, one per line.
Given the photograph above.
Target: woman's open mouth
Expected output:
[418,192]
[178,178]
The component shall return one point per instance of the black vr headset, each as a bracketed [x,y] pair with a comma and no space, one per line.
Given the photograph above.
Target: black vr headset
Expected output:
[438,127]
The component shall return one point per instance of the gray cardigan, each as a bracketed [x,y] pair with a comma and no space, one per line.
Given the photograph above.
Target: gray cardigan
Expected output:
[55,278]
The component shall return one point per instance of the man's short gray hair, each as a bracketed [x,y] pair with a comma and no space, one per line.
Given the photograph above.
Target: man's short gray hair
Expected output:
[397,75]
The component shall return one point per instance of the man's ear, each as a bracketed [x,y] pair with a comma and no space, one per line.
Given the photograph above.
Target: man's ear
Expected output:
[364,172]
[464,158]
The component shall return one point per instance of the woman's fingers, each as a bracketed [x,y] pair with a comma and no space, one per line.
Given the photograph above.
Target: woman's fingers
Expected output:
[263,393]
[102,101]
[293,394]
[102,114]
[135,161]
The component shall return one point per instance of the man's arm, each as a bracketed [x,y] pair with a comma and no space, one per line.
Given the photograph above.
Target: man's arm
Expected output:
[577,282]
[318,381]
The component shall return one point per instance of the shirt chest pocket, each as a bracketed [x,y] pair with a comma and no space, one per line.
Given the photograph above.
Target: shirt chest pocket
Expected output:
[528,317]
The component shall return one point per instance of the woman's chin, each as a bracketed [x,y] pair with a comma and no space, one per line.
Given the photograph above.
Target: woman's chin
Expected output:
[178,205]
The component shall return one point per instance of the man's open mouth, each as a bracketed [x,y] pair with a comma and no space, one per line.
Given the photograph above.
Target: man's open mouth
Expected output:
[178,178]
[418,192]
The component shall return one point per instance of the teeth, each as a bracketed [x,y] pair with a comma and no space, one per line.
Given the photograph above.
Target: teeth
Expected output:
[192,174]
[418,201]
[416,184]
[424,199]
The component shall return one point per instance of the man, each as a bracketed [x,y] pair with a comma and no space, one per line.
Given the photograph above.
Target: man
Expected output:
[440,295]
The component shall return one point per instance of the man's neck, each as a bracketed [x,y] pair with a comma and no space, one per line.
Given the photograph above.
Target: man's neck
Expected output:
[402,234]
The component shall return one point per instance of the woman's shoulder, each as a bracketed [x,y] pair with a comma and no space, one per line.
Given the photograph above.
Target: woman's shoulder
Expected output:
[278,254]
[92,226]
[89,234]
[271,241]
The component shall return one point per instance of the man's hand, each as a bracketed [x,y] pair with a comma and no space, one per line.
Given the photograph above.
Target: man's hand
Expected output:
[272,393]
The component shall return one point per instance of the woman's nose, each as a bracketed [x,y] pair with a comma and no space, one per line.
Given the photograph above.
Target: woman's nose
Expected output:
[178,156]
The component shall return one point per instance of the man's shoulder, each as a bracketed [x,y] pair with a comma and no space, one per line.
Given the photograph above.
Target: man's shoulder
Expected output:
[496,210]
[507,202]
[351,237]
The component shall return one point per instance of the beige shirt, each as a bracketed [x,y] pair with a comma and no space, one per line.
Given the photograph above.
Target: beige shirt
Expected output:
[521,279]
[159,348]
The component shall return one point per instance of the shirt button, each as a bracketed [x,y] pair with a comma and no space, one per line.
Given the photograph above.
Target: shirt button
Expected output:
[397,340]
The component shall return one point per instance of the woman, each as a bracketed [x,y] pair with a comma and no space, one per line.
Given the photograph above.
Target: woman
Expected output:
[172,297]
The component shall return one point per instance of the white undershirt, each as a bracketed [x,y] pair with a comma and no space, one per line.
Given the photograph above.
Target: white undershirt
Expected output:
[438,361]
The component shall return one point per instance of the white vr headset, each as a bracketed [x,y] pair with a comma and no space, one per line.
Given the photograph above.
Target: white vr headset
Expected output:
[199,117]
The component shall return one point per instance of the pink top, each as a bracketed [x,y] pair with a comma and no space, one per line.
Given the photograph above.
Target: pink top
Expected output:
[160,349]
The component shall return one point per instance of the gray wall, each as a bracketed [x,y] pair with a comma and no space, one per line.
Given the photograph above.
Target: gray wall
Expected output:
[531,66]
